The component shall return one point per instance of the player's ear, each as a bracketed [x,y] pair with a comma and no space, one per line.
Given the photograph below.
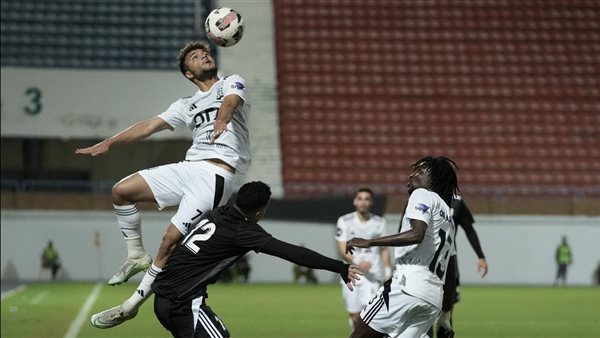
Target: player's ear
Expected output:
[188,75]
[260,214]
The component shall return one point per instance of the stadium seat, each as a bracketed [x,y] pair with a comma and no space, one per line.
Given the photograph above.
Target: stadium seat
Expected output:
[510,93]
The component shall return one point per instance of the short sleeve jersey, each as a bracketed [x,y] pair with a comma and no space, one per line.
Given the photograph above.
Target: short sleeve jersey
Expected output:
[198,113]
[349,226]
[214,245]
[424,265]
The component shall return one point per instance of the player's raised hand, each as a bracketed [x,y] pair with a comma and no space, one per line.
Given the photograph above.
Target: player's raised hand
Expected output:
[95,150]
[220,128]
[357,243]
[352,277]
[482,267]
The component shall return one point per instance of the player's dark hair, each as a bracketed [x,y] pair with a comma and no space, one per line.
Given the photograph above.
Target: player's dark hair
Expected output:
[443,176]
[190,46]
[364,189]
[253,196]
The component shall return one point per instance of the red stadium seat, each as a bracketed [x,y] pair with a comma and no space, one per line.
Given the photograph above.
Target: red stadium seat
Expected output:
[502,91]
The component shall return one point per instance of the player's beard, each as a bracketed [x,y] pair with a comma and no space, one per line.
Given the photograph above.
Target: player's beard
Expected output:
[206,74]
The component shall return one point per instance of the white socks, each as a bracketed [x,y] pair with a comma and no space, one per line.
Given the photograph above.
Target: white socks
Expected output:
[130,222]
[144,290]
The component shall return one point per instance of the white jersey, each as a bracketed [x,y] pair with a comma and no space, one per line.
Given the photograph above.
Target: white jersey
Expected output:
[350,226]
[422,267]
[198,113]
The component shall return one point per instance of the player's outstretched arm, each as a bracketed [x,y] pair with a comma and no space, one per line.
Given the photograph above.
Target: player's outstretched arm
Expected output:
[225,114]
[465,219]
[482,265]
[410,237]
[311,259]
[137,131]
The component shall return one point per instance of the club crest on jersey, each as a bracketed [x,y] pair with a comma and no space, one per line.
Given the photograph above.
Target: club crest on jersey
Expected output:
[220,93]
[422,208]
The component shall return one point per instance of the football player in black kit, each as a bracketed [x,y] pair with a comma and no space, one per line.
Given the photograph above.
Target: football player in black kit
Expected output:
[463,217]
[225,235]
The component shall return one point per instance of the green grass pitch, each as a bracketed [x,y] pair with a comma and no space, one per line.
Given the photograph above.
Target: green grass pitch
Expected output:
[285,311]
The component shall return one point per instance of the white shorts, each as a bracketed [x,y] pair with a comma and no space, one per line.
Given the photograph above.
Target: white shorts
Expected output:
[364,290]
[197,187]
[398,314]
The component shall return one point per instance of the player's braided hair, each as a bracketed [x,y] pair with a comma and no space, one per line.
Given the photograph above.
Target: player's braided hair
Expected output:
[443,176]
[190,46]
[253,196]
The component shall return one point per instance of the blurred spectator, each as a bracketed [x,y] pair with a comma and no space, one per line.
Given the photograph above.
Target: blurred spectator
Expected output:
[307,273]
[242,269]
[50,259]
[597,275]
[563,258]
[239,272]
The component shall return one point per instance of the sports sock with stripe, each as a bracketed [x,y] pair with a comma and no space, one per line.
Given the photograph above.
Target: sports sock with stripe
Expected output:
[130,222]
[143,291]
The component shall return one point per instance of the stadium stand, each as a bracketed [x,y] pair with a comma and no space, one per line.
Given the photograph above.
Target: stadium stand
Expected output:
[126,34]
[507,88]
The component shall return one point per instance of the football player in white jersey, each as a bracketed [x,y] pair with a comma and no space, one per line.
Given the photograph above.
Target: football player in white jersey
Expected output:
[408,304]
[374,262]
[217,115]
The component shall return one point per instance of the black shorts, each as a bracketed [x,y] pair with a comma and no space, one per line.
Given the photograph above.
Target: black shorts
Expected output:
[189,319]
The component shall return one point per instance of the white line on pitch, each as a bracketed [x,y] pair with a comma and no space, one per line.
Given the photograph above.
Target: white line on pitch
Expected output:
[39,298]
[83,313]
[13,292]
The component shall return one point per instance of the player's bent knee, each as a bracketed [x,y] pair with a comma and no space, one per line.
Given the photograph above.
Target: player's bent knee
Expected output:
[120,194]
[132,189]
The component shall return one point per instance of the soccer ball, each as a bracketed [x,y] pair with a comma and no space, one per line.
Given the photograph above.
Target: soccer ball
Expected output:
[224,26]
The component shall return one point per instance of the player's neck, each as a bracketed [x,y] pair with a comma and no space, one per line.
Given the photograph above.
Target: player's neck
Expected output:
[240,212]
[363,216]
[206,84]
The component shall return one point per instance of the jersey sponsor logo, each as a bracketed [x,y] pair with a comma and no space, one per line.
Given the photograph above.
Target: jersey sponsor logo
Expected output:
[338,231]
[238,85]
[204,116]
[193,106]
[422,208]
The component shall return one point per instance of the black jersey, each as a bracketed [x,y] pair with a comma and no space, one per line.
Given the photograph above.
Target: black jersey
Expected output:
[460,212]
[463,217]
[214,245]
